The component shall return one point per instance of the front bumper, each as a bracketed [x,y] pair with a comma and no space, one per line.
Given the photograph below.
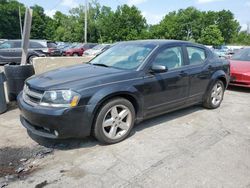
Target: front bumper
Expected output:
[55,122]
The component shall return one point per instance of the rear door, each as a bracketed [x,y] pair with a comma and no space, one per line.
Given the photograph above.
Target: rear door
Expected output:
[168,90]
[199,72]
[16,51]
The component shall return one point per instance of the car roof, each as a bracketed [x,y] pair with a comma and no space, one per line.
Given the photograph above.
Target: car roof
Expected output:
[35,40]
[161,42]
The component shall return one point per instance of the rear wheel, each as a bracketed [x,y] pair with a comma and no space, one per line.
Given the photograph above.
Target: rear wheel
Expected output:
[114,121]
[31,58]
[215,95]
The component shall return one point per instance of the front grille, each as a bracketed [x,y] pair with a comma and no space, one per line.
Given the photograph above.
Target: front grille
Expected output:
[32,96]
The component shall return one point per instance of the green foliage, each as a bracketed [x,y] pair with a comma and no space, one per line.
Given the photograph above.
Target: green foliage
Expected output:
[124,23]
[39,23]
[9,19]
[211,36]
[243,38]
[188,24]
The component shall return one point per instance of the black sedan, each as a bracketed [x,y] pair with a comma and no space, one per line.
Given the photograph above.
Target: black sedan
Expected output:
[128,83]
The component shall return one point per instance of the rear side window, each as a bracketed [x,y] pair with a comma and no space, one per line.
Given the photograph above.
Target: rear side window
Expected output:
[170,57]
[35,45]
[196,55]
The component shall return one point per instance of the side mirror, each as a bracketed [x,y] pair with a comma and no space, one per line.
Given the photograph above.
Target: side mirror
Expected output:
[159,69]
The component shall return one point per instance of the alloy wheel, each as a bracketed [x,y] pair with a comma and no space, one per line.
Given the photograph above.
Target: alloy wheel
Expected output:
[217,94]
[117,121]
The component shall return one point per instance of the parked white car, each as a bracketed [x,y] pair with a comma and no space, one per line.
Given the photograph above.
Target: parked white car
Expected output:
[97,50]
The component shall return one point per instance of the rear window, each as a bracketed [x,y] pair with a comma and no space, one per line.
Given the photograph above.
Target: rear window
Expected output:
[51,45]
[36,45]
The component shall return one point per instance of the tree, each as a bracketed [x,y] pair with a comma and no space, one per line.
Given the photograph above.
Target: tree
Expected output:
[228,25]
[211,36]
[124,23]
[104,24]
[9,19]
[39,23]
[243,38]
[127,23]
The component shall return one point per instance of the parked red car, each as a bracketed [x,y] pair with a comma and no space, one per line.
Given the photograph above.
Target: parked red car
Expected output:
[240,68]
[79,49]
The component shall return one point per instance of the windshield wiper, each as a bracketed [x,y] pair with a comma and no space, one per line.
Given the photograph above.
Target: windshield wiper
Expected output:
[100,64]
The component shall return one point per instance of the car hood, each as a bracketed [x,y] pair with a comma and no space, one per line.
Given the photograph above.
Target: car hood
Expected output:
[74,77]
[240,66]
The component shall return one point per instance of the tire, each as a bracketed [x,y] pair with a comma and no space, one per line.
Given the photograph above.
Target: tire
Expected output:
[30,59]
[16,76]
[215,95]
[75,54]
[112,126]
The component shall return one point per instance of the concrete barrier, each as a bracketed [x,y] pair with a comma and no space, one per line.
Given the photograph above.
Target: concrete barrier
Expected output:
[44,64]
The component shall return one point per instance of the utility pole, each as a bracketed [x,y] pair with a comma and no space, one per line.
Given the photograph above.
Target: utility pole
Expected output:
[248,28]
[26,35]
[86,22]
[20,22]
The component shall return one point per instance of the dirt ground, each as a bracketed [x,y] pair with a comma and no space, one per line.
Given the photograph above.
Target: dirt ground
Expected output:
[193,147]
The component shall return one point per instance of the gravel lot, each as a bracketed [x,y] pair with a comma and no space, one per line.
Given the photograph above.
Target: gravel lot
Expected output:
[193,147]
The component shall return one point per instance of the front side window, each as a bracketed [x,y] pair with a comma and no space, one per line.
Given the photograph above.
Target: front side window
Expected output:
[5,45]
[196,55]
[124,56]
[171,58]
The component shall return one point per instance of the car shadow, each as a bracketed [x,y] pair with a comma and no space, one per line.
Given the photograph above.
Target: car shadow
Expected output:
[11,106]
[64,144]
[88,142]
[165,118]
[239,89]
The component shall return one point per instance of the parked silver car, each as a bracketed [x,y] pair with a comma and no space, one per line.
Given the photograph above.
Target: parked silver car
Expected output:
[10,50]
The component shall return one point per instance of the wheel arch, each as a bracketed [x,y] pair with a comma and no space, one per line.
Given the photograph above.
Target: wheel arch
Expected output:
[129,95]
[218,75]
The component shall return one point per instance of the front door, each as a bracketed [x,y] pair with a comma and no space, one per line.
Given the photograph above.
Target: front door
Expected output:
[5,51]
[168,90]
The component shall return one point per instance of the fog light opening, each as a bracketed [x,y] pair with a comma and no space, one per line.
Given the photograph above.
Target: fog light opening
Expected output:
[56,133]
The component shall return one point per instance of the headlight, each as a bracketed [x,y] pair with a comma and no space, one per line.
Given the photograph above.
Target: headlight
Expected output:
[60,98]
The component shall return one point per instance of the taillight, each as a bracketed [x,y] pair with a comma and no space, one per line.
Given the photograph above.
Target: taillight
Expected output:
[50,50]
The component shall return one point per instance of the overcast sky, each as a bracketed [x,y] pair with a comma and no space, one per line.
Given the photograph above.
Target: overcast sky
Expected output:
[154,10]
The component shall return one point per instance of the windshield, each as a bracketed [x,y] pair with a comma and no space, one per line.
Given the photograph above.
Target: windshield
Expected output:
[51,45]
[79,46]
[242,55]
[124,56]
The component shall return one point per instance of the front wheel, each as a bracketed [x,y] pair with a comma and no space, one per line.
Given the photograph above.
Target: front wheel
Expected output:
[214,97]
[114,121]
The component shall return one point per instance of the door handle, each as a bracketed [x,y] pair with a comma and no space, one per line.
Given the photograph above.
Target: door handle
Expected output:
[210,67]
[183,73]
